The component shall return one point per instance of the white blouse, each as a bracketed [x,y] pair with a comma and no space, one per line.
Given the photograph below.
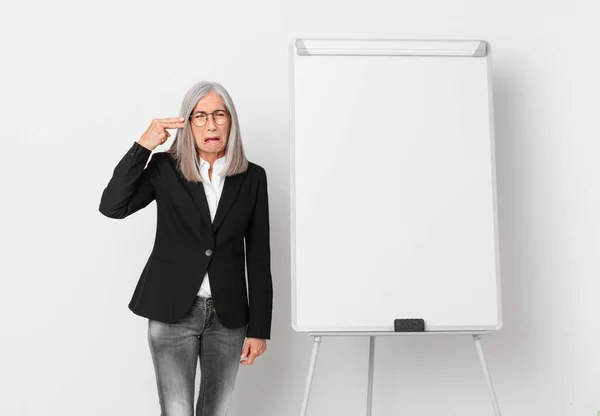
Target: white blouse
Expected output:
[213,189]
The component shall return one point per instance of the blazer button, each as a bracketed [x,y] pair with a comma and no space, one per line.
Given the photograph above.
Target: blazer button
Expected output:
[208,252]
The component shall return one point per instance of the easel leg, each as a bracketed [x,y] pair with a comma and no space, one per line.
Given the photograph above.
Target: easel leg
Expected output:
[477,339]
[311,370]
[370,383]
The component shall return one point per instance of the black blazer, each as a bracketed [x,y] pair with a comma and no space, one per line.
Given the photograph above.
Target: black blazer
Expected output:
[188,244]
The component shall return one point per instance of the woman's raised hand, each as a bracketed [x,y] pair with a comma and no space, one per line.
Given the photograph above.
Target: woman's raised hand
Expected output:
[157,133]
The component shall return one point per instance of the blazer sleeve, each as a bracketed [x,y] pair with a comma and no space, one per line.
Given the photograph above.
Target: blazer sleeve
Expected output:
[130,188]
[258,262]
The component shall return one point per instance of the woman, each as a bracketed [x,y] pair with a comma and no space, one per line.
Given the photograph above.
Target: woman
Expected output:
[210,200]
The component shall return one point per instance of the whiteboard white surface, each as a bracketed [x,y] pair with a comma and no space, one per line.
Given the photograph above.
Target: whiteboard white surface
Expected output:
[393,211]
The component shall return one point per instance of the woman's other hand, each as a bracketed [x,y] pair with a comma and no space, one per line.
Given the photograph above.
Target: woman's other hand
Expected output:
[157,133]
[253,347]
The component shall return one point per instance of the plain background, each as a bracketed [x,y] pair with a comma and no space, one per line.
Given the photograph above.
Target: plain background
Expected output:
[81,81]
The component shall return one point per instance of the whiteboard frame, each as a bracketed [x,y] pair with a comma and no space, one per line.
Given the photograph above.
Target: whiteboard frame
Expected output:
[389,47]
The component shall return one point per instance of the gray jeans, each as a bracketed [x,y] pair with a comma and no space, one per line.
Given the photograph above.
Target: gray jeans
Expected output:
[176,348]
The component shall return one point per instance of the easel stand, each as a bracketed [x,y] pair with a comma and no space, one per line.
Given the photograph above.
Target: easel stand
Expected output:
[317,341]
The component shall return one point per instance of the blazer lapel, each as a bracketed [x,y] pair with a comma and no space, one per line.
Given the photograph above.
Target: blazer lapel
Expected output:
[231,188]
[196,190]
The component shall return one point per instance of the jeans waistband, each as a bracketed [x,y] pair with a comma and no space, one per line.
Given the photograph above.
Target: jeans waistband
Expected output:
[205,302]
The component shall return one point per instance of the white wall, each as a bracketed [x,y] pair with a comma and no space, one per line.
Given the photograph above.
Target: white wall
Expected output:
[81,81]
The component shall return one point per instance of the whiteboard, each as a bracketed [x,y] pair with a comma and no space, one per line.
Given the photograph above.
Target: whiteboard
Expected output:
[393,190]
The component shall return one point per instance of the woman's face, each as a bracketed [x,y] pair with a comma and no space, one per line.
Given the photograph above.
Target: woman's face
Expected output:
[208,104]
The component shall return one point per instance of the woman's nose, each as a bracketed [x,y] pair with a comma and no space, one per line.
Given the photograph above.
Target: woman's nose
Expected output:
[210,123]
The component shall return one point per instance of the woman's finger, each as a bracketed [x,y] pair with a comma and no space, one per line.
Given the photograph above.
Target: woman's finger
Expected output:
[171,120]
[172,125]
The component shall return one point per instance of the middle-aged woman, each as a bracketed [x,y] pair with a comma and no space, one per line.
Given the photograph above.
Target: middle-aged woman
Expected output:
[210,200]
